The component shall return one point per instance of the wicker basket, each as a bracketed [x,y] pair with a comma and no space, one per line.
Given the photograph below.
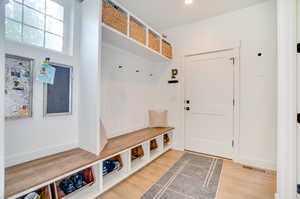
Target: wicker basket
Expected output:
[115,17]
[153,41]
[167,49]
[137,31]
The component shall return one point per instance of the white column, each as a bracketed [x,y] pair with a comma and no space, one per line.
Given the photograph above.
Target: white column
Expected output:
[286,132]
[89,75]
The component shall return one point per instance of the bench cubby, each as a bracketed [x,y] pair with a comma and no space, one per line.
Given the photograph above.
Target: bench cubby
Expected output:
[114,177]
[167,141]
[154,153]
[139,162]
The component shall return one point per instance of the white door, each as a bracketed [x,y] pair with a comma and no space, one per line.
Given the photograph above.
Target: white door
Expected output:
[209,95]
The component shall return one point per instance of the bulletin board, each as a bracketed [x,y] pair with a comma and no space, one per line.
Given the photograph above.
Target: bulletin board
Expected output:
[58,96]
[18,87]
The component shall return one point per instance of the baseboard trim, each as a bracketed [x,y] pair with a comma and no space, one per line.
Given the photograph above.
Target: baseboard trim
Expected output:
[256,163]
[28,156]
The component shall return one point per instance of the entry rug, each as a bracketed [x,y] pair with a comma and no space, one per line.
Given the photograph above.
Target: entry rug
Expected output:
[191,177]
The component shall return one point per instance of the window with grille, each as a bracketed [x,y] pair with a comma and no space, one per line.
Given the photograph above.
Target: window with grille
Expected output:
[35,22]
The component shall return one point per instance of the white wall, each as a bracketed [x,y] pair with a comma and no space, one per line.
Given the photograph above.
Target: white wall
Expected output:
[1,101]
[255,27]
[27,139]
[127,95]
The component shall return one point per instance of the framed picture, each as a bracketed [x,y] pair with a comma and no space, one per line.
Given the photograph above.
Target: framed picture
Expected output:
[18,87]
[58,96]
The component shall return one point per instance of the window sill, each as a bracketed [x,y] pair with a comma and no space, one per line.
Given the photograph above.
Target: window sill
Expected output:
[43,50]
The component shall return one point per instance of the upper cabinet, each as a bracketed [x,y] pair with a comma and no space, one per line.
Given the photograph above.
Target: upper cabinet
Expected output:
[124,30]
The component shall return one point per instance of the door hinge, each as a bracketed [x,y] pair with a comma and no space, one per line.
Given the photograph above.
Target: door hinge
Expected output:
[232,143]
[233,60]
[233,102]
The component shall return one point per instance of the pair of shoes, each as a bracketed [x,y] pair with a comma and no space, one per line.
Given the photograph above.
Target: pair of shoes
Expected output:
[77,179]
[109,166]
[69,185]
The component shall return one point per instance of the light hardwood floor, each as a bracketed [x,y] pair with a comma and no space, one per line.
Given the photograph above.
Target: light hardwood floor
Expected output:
[236,182]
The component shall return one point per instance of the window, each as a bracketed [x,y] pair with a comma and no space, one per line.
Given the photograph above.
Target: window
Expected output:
[35,22]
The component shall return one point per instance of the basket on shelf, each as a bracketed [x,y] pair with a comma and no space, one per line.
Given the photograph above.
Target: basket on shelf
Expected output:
[167,49]
[153,144]
[137,152]
[114,16]
[166,139]
[137,31]
[153,41]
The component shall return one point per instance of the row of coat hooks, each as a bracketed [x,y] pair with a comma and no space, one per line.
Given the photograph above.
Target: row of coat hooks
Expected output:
[174,74]
[137,70]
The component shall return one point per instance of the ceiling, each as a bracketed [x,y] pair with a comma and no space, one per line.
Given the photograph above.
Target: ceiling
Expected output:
[162,14]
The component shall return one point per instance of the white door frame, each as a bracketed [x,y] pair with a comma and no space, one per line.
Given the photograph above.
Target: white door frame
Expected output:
[236,128]
[287,100]
[2,142]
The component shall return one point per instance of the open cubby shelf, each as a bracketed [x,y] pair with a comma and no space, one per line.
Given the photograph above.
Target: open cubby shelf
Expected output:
[126,31]
[139,162]
[111,178]
[44,192]
[154,153]
[87,176]
[167,141]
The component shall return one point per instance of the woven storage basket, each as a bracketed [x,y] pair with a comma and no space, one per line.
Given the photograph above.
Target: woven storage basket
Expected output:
[167,49]
[113,16]
[137,31]
[153,41]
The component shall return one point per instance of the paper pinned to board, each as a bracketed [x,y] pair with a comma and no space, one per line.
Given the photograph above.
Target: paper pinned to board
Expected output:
[46,72]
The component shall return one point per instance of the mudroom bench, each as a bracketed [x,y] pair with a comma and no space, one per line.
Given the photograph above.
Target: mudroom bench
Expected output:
[50,176]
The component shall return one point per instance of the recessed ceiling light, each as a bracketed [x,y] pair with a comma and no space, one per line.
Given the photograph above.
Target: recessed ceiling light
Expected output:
[188,2]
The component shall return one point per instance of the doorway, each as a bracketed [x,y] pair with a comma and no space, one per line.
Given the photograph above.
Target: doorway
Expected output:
[211,102]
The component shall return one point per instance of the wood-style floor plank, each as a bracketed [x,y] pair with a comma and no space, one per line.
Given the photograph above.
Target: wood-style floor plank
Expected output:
[236,182]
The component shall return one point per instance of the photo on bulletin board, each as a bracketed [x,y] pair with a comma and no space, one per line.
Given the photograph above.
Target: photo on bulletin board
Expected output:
[18,87]
[58,96]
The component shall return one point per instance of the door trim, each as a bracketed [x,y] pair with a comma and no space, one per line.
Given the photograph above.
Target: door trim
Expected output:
[236,111]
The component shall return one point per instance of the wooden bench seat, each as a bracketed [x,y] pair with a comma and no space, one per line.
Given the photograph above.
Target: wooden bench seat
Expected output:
[28,175]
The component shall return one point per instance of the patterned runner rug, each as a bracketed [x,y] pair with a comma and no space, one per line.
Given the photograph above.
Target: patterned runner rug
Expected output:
[191,177]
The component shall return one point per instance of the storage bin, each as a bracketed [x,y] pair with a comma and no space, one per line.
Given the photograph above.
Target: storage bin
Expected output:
[137,152]
[114,16]
[166,139]
[167,49]
[137,31]
[153,41]
[153,145]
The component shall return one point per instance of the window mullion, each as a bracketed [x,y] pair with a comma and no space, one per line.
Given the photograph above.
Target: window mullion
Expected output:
[22,23]
[45,23]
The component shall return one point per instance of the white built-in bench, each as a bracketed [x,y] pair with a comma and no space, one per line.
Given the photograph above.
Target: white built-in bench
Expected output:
[47,172]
